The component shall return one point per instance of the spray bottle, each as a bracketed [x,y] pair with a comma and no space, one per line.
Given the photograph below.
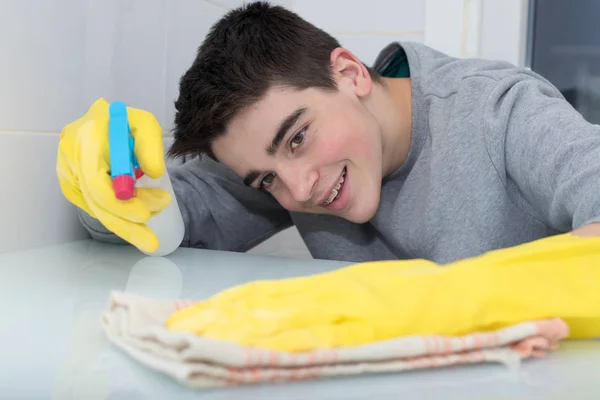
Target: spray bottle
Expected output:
[127,175]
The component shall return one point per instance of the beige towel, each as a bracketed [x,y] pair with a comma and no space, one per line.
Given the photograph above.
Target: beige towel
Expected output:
[136,325]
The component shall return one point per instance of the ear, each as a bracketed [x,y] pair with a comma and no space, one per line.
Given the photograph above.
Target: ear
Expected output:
[350,72]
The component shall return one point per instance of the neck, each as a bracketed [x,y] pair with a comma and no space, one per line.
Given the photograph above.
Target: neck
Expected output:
[391,104]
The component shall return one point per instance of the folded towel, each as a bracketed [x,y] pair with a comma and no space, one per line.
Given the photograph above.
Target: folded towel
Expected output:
[137,325]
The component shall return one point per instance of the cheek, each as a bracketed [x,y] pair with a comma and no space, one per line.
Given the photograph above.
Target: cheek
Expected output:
[347,140]
[286,201]
[333,149]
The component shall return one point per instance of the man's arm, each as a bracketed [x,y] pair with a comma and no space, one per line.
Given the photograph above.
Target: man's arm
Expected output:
[551,154]
[219,211]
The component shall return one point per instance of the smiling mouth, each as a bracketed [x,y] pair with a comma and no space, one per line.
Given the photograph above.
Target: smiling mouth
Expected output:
[335,192]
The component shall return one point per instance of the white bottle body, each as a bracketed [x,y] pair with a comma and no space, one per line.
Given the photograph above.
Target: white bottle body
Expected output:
[168,224]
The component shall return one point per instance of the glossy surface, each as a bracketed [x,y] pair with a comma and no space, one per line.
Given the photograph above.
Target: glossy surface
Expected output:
[51,344]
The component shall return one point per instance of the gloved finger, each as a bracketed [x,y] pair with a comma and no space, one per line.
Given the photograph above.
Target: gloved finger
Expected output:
[155,199]
[99,109]
[97,188]
[311,338]
[264,329]
[149,146]
[68,183]
[74,196]
[139,235]
[63,169]
[248,311]
[288,324]
[96,183]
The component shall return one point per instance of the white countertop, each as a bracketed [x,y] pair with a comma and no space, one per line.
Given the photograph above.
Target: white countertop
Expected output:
[51,344]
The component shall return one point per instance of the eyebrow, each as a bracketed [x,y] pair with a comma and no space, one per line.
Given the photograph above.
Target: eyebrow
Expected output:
[283,129]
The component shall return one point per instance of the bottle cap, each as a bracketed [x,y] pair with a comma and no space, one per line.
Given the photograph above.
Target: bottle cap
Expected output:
[124,187]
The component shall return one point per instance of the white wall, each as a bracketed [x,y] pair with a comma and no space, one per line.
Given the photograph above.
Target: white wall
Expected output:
[58,56]
[504,30]
[490,29]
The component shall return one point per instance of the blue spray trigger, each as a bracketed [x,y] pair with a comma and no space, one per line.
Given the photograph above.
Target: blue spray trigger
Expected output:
[124,168]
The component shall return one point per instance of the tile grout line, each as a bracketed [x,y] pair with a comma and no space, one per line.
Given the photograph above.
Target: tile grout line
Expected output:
[217,4]
[45,133]
[168,19]
[27,132]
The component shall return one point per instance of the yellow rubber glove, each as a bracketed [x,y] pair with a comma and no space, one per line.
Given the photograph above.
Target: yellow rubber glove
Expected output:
[553,277]
[83,169]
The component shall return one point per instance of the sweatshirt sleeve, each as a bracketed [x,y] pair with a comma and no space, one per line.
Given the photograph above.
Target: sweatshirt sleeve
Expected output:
[218,210]
[551,154]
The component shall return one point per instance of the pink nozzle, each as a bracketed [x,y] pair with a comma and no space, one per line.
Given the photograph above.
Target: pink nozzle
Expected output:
[138,173]
[124,187]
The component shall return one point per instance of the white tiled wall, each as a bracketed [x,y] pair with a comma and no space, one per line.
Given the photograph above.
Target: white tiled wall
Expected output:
[510,18]
[32,210]
[58,56]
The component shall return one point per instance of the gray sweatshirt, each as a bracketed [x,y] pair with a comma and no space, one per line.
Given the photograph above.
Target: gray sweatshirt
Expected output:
[497,158]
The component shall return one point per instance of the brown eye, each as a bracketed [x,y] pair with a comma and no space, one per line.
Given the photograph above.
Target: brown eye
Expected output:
[297,140]
[267,180]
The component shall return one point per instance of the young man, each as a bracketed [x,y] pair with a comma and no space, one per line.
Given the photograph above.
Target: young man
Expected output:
[436,157]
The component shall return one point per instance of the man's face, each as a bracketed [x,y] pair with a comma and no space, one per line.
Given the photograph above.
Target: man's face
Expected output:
[315,151]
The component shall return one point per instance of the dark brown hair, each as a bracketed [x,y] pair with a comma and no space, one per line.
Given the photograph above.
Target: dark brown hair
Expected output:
[251,49]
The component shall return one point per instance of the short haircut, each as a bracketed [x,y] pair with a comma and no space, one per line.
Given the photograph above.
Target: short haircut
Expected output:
[251,49]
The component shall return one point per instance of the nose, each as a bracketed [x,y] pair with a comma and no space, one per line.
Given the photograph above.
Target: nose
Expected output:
[301,181]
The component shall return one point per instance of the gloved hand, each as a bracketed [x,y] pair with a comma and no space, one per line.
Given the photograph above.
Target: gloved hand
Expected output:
[553,277]
[83,169]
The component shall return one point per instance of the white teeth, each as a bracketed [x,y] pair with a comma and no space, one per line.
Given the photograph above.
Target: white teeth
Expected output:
[335,191]
[332,196]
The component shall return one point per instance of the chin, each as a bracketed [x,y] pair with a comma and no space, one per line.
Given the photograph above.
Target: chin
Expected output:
[361,218]
[360,214]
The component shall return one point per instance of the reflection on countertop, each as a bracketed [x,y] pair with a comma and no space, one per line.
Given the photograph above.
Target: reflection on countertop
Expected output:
[52,345]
